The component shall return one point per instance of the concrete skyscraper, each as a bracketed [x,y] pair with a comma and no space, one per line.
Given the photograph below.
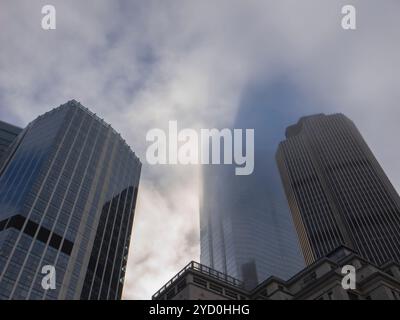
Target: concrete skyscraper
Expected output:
[337,191]
[68,191]
[8,133]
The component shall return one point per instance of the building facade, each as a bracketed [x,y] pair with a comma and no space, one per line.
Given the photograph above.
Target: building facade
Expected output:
[337,191]
[246,227]
[199,282]
[68,191]
[8,133]
[322,280]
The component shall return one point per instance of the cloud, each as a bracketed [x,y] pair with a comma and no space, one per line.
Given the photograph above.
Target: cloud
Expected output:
[139,64]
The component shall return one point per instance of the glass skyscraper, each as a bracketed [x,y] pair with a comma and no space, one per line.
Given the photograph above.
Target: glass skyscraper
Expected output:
[337,191]
[245,234]
[8,133]
[245,225]
[68,190]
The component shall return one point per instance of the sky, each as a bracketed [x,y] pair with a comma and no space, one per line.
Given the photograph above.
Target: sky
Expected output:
[139,64]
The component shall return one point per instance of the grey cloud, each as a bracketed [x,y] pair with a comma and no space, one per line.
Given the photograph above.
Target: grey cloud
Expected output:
[139,64]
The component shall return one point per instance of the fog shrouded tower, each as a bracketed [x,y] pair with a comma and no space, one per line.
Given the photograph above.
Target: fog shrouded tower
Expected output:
[68,191]
[245,224]
[337,191]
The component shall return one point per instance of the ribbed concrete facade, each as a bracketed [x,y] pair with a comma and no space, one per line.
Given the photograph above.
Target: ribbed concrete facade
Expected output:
[337,191]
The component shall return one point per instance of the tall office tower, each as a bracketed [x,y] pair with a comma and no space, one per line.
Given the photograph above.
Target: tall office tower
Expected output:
[67,198]
[337,191]
[245,225]
[8,133]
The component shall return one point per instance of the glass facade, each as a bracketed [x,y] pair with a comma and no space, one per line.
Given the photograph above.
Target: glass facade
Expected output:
[67,199]
[8,133]
[337,191]
[245,225]
[245,234]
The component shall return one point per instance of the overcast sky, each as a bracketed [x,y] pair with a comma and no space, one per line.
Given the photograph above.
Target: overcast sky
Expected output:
[139,64]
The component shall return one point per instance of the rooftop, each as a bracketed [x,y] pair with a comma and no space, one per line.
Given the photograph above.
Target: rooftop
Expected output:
[75,103]
[197,267]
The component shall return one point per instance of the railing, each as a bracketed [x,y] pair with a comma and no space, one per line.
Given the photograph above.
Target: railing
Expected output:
[195,266]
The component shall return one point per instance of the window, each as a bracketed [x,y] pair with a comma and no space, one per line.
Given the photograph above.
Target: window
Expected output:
[215,288]
[200,282]
[231,294]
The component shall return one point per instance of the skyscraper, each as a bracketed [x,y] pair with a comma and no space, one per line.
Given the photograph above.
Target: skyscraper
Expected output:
[8,133]
[337,191]
[245,224]
[68,191]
